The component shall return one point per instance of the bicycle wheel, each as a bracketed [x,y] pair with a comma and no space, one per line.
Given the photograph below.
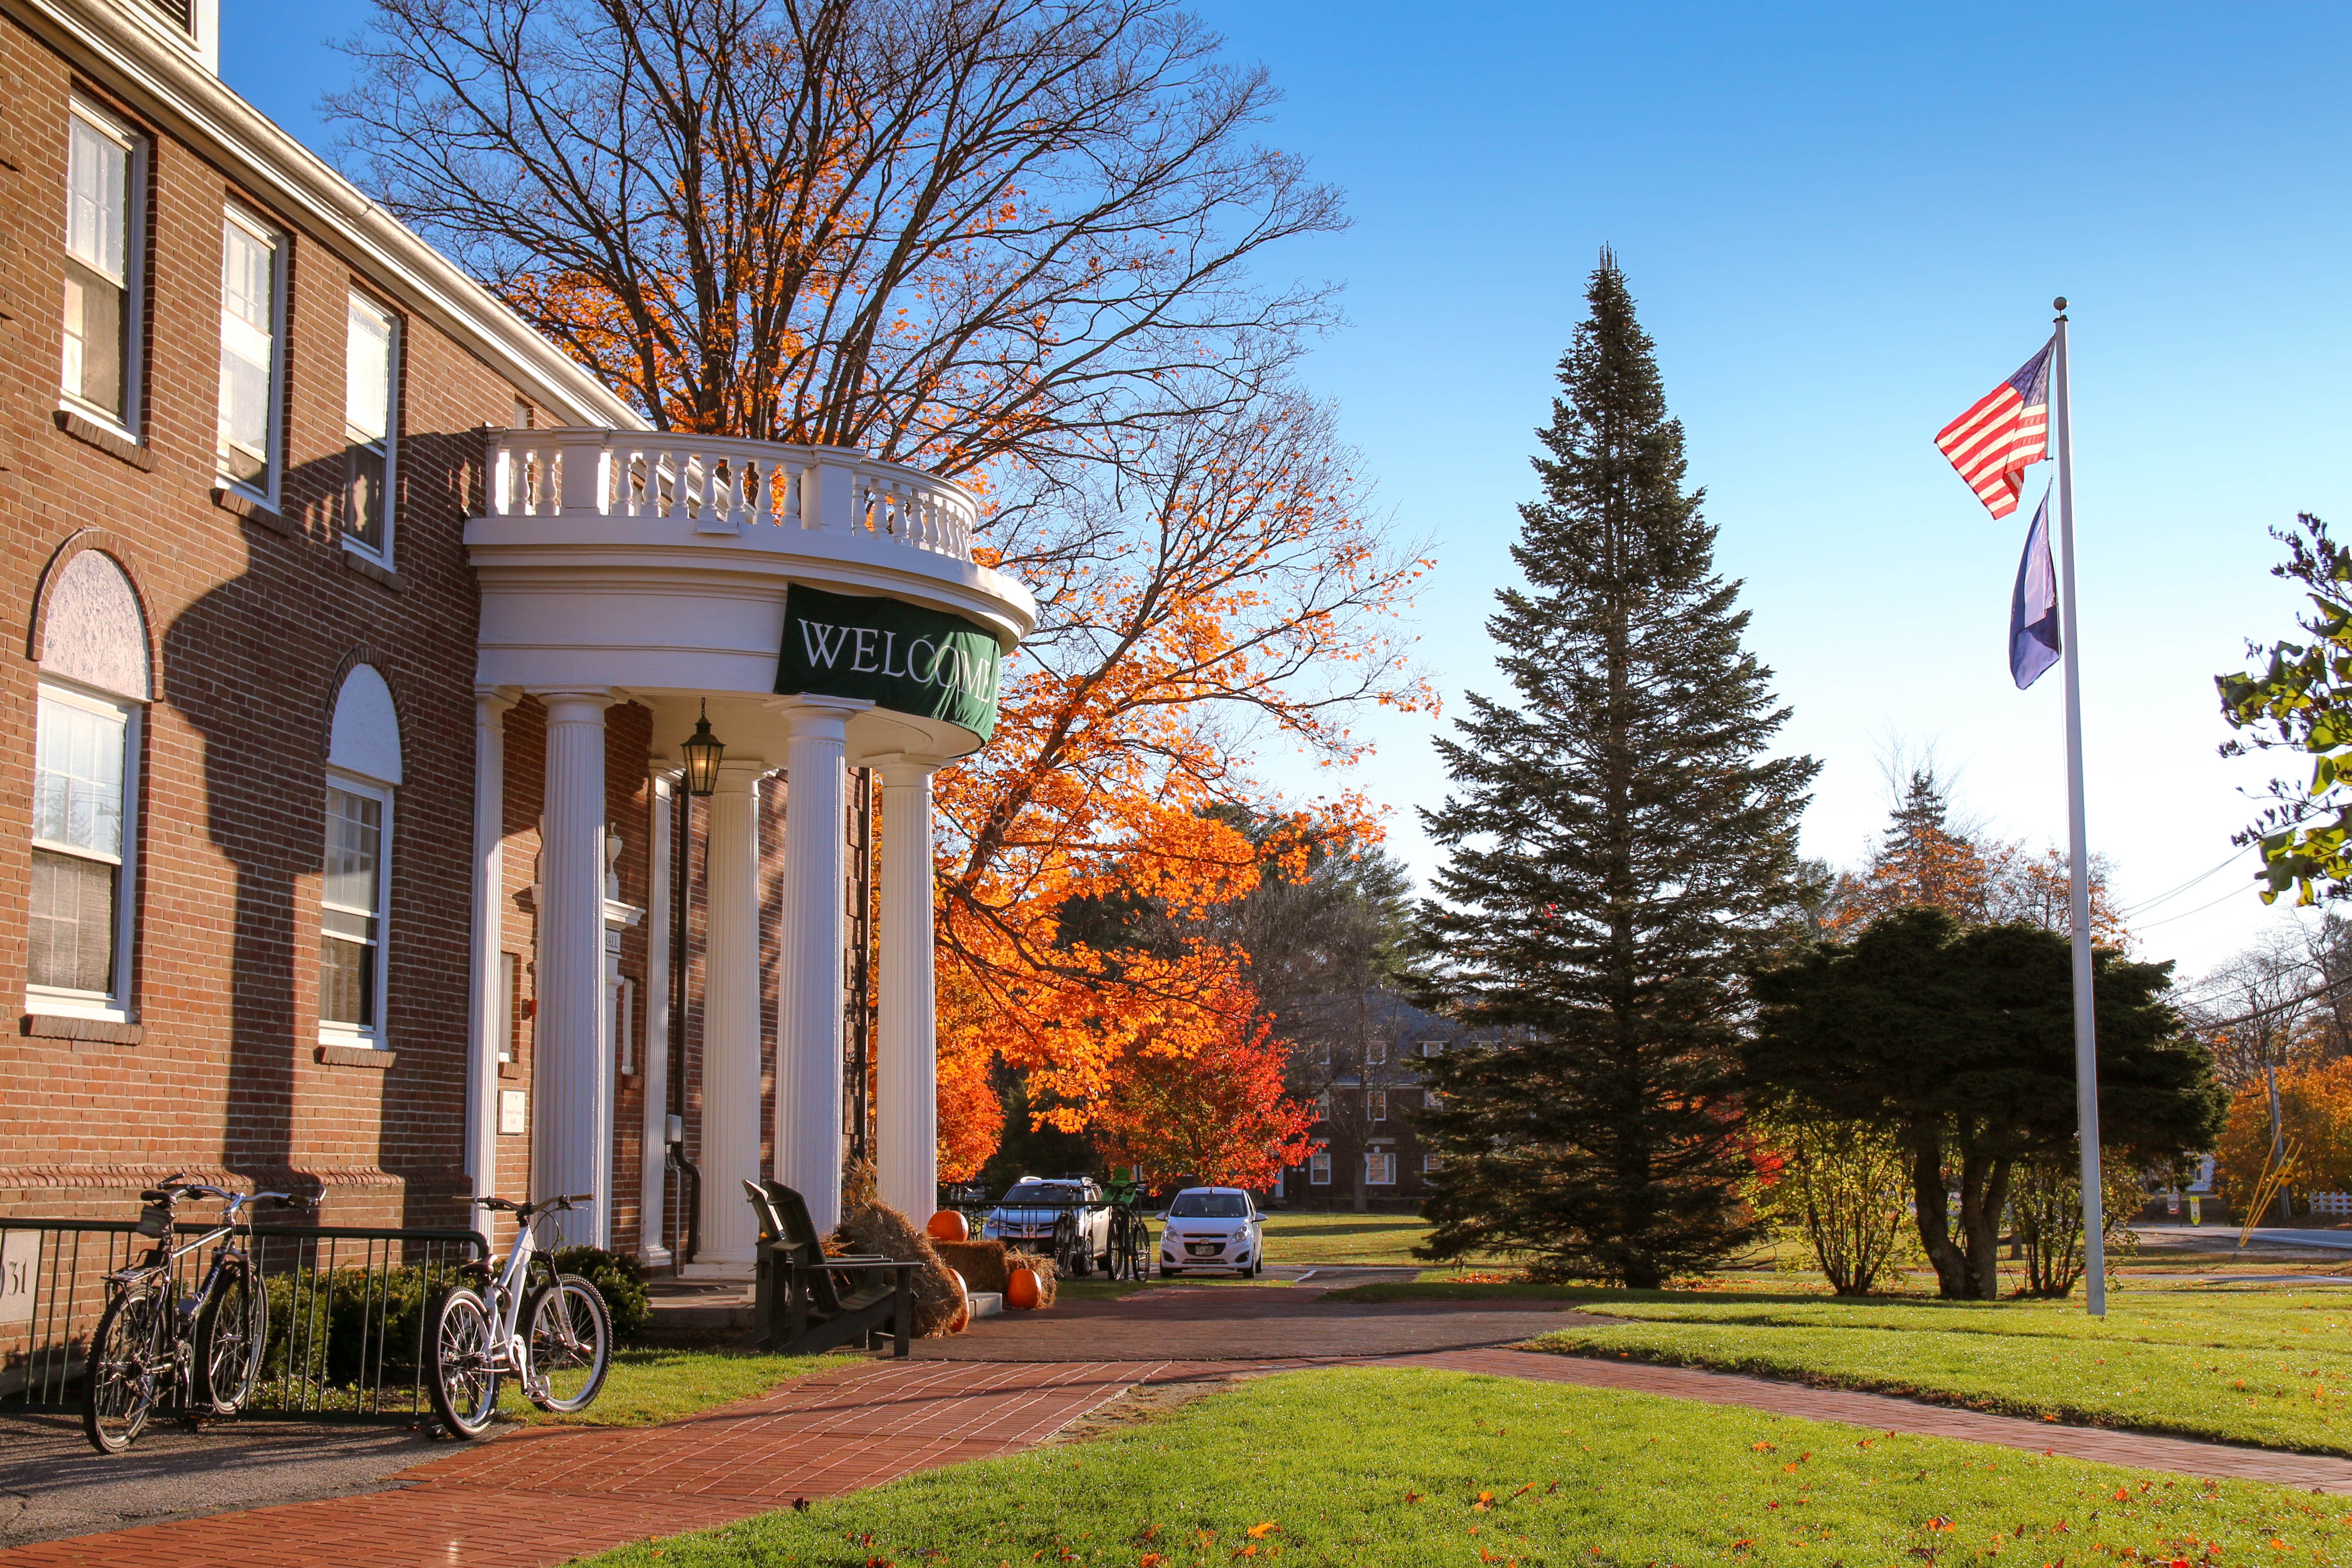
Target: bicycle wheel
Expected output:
[462,1374]
[1069,1251]
[1125,1250]
[231,1330]
[571,1343]
[129,1363]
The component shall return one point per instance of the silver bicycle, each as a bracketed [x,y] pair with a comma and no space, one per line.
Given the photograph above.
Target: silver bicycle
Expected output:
[549,1331]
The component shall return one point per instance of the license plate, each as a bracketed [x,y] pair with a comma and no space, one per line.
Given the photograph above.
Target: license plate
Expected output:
[1210,1251]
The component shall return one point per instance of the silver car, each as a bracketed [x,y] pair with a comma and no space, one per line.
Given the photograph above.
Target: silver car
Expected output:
[1025,1216]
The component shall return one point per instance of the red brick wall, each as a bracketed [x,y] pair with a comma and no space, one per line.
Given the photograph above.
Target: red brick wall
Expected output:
[250,627]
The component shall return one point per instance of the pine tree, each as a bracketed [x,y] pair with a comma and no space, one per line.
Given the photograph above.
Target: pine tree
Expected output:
[1620,847]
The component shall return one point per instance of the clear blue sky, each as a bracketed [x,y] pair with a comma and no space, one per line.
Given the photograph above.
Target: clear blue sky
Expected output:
[1843,225]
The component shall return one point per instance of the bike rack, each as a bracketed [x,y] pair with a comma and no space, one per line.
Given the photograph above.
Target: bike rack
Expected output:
[346,1311]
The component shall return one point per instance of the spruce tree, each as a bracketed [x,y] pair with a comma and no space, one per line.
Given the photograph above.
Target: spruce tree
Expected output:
[1619,847]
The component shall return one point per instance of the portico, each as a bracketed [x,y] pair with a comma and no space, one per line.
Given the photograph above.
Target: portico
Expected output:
[825,613]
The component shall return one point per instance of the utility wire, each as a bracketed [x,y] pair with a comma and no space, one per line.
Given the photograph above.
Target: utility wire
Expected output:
[2147,904]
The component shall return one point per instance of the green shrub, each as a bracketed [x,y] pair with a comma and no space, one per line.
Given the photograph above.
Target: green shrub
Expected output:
[620,1277]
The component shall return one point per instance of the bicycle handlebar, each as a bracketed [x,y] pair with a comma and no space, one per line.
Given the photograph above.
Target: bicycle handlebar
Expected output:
[544,1206]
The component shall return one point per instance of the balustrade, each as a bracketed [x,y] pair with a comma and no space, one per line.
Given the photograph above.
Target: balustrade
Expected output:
[721,486]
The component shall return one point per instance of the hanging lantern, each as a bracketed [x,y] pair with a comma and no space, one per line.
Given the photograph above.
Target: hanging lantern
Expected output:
[702,755]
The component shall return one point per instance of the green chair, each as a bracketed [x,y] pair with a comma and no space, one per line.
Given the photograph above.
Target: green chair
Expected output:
[805,1302]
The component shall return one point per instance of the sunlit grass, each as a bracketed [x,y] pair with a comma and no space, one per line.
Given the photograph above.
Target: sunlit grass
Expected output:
[649,1384]
[2266,1367]
[1409,1467]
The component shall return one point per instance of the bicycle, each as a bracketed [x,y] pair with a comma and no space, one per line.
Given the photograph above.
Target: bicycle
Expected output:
[152,1341]
[1130,1238]
[477,1334]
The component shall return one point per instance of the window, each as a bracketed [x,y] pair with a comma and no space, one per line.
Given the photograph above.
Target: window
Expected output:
[81,787]
[1323,1054]
[1318,1168]
[623,994]
[1432,1163]
[352,913]
[1432,1048]
[1379,1169]
[1323,1106]
[1431,1101]
[253,312]
[1376,1054]
[104,173]
[1376,1105]
[510,1025]
[369,392]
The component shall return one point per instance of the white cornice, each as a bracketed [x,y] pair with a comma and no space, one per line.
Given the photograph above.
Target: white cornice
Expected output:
[169,83]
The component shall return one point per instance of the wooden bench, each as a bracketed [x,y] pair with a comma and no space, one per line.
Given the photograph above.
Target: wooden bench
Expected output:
[805,1302]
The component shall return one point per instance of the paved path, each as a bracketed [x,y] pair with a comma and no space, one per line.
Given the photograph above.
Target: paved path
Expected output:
[563,1491]
[1243,1323]
[1889,1414]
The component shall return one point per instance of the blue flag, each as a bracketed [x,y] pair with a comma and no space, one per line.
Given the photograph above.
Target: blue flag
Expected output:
[2034,642]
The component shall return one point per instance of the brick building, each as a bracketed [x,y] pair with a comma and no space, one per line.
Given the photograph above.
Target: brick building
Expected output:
[353,638]
[1362,1066]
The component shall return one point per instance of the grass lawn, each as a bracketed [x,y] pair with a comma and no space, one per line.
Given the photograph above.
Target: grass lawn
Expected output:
[1387,1238]
[2268,1366]
[1411,1467]
[652,1383]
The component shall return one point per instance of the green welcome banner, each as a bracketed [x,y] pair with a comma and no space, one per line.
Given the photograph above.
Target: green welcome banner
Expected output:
[894,655]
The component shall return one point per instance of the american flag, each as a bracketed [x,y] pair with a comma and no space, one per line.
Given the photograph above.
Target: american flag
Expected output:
[2003,432]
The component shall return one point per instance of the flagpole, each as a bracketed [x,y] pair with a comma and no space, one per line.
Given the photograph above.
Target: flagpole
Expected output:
[2078,878]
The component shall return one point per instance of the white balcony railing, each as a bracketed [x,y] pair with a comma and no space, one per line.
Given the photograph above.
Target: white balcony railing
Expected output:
[718,486]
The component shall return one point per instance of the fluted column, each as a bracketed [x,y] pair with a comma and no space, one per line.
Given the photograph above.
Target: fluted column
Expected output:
[485,1036]
[808,1020]
[660,915]
[573,1121]
[907,1140]
[731,1019]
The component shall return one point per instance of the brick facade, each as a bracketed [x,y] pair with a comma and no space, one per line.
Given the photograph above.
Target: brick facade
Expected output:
[253,618]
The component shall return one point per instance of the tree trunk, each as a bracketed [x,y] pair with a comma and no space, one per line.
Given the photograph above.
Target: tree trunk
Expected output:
[1950,1264]
[1984,1193]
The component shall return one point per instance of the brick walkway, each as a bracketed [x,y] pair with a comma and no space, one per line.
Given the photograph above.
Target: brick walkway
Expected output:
[1886,1412]
[564,1492]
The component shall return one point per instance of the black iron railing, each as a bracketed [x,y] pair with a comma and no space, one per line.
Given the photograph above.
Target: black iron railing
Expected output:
[346,1333]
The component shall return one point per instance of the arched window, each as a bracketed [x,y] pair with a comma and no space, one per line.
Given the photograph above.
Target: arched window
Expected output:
[92,698]
[354,895]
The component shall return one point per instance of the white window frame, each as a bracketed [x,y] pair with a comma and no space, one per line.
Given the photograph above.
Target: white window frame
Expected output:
[115,1005]
[1318,1168]
[1376,1054]
[394,342]
[280,244]
[1433,1048]
[1378,1161]
[1323,1106]
[1376,1105]
[134,280]
[342,1034]
[1432,1163]
[507,964]
[1431,1101]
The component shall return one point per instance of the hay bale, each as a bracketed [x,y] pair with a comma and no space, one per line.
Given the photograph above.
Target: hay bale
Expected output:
[878,1228]
[982,1263]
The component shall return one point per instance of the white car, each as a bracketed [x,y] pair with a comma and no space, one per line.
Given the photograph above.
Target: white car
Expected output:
[1025,1216]
[1213,1229]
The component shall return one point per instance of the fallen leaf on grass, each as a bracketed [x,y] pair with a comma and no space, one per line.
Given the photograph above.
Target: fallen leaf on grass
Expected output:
[1260,1532]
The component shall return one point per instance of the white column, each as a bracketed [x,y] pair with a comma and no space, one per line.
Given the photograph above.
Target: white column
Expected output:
[731,1020]
[662,917]
[907,1140]
[485,1026]
[573,1121]
[809,1015]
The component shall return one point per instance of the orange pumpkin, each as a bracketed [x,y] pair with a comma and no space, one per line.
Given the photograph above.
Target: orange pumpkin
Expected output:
[1023,1290]
[962,1318]
[949,1225]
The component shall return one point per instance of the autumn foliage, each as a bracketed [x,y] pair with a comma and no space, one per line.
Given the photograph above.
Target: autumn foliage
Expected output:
[2315,1116]
[1200,1096]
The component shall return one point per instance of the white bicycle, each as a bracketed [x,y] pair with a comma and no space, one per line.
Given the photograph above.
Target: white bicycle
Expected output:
[552,1331]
